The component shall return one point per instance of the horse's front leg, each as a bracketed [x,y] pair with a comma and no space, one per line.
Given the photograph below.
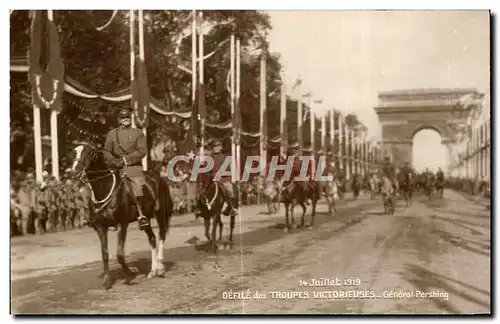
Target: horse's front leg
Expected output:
[215,223]
[287,222]
[154,253]
[206,221]
[221,226]
[232,222]
[303,219]
[292,209]
[120,251]
[102,232]
[313,214]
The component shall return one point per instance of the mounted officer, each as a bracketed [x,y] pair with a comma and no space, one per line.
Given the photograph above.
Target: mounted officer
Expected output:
[407,172]
[124,149]
[389,171]
[225,181]
[440,175]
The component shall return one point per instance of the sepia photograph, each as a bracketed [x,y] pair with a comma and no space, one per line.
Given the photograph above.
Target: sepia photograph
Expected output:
[249,162]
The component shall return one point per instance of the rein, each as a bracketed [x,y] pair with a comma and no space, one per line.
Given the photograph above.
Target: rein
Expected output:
[210,203]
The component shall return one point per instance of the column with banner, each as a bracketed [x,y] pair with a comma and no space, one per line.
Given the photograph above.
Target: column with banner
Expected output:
[46,76]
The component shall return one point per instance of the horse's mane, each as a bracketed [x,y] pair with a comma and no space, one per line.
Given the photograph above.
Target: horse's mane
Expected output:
[98,162]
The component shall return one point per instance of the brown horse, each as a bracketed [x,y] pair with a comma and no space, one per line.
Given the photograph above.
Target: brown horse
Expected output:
[331,191]
[211,203]
[297,193]
[111,204]
[388,195]
[272,196]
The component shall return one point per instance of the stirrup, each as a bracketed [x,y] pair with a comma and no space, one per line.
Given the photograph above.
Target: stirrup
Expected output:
[143,222]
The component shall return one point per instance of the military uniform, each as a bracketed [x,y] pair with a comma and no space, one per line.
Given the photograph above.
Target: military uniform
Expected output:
[440,175]
[125,147]
[225,181]
[389,171]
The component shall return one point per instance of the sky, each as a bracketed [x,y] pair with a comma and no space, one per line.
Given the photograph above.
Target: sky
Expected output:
[347,57]
[424,142]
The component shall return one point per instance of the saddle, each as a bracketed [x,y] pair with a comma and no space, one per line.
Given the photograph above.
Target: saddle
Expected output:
[150,184]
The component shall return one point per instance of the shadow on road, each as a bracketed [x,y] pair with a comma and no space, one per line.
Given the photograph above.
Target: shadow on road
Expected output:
[80,279]
[425,280]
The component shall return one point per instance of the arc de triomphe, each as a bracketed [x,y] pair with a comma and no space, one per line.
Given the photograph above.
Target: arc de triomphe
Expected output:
[403,113]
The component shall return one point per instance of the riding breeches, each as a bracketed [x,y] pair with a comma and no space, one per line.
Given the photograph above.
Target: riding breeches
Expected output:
[137,184]
[228,190]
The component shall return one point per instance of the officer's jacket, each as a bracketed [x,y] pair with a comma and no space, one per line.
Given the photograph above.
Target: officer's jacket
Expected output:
[219,159]
[128,144]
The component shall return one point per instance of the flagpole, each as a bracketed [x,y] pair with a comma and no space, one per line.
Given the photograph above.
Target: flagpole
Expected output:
[323,132]
[194,78]
[142,58]
[299,124]
[132,57]
[238,118]
[201,96]
[312,119]
[349,153]
[332,131]
[54,138]
[284,142]
[341,143]
[263,97]
[232,80]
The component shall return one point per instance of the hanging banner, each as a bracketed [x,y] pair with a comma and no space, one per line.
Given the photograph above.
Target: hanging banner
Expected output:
[46,68]
[140,94]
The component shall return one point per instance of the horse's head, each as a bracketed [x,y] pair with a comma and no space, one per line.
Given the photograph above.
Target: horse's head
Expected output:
[86,154]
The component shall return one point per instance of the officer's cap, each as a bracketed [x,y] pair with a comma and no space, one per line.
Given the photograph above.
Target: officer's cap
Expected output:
[125,112]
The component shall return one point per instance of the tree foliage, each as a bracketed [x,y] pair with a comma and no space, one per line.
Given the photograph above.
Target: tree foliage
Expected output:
[100,61]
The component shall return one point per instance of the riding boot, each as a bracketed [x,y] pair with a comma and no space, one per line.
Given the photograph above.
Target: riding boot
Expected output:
[141,220]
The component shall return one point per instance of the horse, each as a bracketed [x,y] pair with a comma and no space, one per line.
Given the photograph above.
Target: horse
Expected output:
[111,204]
[428,185]
[294,194]
[387,194]
[211,202]
[373,185]
[272,196]
[439,185]
[356,186]
[406,188]
[331,192]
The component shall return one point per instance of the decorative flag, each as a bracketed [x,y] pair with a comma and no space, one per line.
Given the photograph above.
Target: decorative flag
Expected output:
[46,68]
[297,84]
[140,94]
[193,133]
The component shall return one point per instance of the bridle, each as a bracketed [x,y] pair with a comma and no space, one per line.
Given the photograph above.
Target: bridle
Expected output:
[205,199]
[82,178]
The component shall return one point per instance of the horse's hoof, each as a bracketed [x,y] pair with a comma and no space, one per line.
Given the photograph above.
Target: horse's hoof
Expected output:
[309,227]
[160,272]
[108,283]
[285,230]
[151,274]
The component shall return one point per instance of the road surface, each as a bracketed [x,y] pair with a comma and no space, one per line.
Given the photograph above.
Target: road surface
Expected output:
[433,257]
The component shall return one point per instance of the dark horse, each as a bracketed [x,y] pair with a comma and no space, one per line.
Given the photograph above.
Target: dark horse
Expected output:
[406,187]
[356,186]
[211,203]
[428,185]
[439,185]
[112,205]
[294,194]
